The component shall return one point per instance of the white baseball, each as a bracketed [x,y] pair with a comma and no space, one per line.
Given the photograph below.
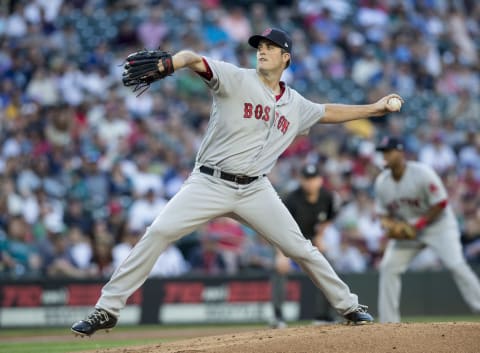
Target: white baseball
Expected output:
[395,103]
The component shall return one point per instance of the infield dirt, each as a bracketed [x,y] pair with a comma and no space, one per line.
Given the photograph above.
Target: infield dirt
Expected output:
[455,337]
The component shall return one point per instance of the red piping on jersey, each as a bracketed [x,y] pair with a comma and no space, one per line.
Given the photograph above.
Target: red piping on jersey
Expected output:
[282,89]
[207,75]
[422,221]
[443,204]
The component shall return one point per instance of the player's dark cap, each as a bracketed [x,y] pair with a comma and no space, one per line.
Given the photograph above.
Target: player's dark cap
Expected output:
[275,35]
[310,171]
[390,143]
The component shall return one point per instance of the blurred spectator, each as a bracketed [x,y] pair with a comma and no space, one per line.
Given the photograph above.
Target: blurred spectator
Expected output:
[103,242]
[230,238]
[117,221]
[76,216]
[207,259]
[120,184]
[360,210]
[144,178]
[236,24]
[366,68]
[62,262]
[144,210]
[469,156]
[437,154]
[70,84]
[96,184]
[113,126]
[259,17]
[463,109]
[80,247]
[16,25]
[18,256]
[174,178]
[170,263]
[457,26]
[257,254]
[43,89]
[102,261]
[350,256]
[152,32]
[372,16]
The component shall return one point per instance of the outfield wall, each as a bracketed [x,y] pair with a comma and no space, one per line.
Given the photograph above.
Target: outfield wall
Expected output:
[196,299]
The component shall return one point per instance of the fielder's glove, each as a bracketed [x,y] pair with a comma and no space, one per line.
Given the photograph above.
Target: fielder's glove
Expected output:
[141,68]
[401,230]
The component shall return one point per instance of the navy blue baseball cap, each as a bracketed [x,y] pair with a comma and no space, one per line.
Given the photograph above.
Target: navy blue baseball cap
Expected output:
[390,143]
[275,35]
[310,171]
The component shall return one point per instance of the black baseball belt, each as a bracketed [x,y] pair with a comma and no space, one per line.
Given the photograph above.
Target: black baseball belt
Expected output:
[237,178]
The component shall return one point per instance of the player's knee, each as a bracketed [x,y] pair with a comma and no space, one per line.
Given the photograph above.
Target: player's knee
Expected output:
[303,251]
[297,256]
[305,257]
[159,231]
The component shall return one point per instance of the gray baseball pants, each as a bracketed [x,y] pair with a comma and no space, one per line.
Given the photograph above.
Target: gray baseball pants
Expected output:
[204,197]
[398,256]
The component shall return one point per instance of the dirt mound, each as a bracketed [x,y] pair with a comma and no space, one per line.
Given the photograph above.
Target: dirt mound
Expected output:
[461,337]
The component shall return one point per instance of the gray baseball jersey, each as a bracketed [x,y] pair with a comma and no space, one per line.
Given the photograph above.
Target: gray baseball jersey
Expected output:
[249,128]
[408,199]
[412,196]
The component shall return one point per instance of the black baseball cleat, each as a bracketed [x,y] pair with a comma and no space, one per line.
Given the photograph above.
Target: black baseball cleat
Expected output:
[99,319]
[359,316]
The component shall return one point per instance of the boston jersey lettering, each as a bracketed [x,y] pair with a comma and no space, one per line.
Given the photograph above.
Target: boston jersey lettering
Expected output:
[263,112]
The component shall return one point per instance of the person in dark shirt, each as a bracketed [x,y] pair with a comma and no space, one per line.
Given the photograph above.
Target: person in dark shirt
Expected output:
[313,207]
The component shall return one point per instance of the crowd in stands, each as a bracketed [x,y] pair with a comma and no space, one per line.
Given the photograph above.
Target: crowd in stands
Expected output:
[85,164]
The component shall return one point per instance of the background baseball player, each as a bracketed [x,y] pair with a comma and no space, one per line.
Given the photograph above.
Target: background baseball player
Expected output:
[254,118]
[413,204]
[313,207]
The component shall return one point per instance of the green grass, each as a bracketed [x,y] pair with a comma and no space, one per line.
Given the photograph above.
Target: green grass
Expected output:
[35,340]
[39,331]
[64,347]
[9,332]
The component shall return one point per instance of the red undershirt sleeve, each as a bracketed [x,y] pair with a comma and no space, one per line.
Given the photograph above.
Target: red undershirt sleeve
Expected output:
[422,222]
[207,75]
[443,203]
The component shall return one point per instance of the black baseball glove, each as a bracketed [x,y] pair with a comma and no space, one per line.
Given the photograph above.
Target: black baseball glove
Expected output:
[141,68]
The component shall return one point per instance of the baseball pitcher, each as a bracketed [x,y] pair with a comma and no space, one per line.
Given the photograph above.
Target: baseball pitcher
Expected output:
[254,118]
[413,205]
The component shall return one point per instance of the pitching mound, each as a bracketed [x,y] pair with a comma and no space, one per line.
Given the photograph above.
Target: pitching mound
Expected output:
[461,337]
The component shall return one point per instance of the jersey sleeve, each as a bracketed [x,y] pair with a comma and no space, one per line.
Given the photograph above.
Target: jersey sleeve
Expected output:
[310,114]
[433,188]
[222,77]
